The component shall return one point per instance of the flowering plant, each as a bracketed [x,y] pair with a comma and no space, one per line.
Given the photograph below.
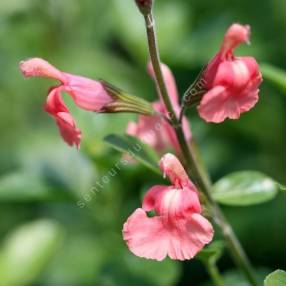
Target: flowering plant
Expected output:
[178,220]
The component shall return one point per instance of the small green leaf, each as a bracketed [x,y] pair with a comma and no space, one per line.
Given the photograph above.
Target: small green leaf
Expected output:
[211,253]
[245,188]
[276,278]
[275,75]
[28,249]
[136,149]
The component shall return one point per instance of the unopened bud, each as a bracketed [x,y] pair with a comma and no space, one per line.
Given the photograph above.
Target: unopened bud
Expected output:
[144,6]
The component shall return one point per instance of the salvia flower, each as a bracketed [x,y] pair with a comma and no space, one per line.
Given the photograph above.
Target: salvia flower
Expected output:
[231,83]
[155,130]
[87,94]
[176,229]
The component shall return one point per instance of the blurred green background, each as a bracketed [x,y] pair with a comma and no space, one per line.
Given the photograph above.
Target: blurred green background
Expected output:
[46,237]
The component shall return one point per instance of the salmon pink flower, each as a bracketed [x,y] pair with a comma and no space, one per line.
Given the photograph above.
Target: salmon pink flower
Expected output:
[87,94]
[155,130]
[231,82]
[177,229]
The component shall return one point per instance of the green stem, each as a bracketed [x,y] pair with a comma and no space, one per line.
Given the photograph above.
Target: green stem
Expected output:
[214,274]
[192,165]
[155,59]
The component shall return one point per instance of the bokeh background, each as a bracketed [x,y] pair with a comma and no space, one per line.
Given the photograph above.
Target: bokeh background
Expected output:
[46,238]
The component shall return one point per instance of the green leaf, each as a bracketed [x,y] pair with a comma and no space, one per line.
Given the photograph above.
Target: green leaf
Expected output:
[282,188]
[26,187]
[136,149]
[211,253]
[27,250]
[275,75]
[276,278]
[245,188]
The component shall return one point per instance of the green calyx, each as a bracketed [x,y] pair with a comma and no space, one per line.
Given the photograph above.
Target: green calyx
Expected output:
[123,102]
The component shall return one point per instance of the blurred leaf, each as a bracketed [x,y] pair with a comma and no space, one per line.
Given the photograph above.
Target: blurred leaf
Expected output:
[77,262]
[136,149]
[276,278]
[160,274]
[13,6]
[22,187]
[275,75]
[245,188]
[127,269]
[27,250]
[282,188]
[59,165]
[211,253]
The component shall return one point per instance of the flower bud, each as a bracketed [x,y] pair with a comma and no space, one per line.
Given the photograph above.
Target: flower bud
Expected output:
[144,6]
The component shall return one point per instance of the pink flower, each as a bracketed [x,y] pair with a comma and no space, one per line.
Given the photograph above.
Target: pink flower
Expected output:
[178,229]
[231,82]
[86,93]
[154,130]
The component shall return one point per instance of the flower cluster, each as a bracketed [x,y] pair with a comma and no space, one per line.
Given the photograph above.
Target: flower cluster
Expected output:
[170,221]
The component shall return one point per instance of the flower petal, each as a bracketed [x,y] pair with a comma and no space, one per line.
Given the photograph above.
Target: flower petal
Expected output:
[37,67]
[249,97]
[175,203]
[56,107]
[67,126]
[235,35]
[146,237]
[87,94]
[237,74]
[192,234]
[172,167]
[152,197]
[217,104]
[152,239]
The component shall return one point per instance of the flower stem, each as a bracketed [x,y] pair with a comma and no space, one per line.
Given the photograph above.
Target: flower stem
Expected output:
[192,165]
[214,274]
